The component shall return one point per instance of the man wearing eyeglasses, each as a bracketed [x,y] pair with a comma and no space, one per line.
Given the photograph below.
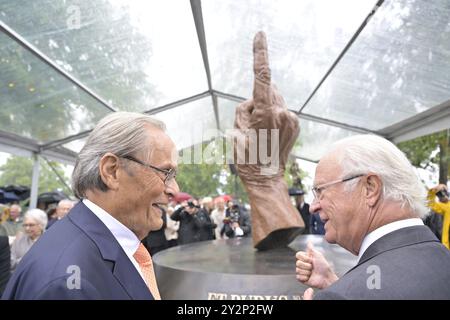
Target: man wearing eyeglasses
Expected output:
[123,174]
[372,202]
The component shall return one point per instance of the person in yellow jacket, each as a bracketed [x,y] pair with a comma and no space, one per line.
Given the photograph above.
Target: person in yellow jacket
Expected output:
[442,207]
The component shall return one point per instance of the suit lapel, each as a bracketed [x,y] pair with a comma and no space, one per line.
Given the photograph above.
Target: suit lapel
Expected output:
[123,270]
[131,281]
[397,239]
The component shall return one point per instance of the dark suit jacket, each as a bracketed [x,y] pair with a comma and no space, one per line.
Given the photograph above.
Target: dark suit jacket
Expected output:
[412,264]
[78,242]
[156,240]
[50,223]
[5,262]
[306,216]
[193,227]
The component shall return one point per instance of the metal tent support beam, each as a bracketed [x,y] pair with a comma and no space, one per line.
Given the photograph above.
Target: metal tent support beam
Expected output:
[61,155]
[41,56]
[178,103]
[228,96]
[17,145]
[433,120]
[333,123]
[20,142]
[61,179]
[301,115]
[56,143]
[80,135]
[196,6]
[25,147]
[34,182]
[344,51]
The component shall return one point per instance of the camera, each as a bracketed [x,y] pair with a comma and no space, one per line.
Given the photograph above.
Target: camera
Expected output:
[191,204]
[442,194]
[234,214]
[234,208]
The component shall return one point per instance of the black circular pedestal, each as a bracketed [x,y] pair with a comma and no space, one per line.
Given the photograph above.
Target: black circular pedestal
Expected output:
[232,269]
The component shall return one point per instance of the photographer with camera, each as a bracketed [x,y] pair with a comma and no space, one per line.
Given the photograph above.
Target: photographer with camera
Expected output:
[195,223]
[236,222]
[442,207]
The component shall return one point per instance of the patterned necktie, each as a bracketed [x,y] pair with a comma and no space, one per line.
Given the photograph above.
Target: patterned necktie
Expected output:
[145,263]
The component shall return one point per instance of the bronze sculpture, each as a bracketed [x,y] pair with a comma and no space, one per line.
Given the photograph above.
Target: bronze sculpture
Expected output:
[275,221]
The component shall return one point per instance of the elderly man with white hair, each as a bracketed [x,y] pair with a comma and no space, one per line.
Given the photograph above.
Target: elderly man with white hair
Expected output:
[124,175]
[34,223]
[371,200]
[14,223]
[63,208]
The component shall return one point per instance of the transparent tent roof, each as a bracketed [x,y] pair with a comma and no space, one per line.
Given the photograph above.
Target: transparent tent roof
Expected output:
[345,67]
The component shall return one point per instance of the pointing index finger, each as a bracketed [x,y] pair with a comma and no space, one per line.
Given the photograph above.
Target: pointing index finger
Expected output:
[261,88]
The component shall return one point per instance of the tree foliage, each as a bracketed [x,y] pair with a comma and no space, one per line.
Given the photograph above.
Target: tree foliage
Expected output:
[18,171]
[427,150]
[235,187]
[102,52]
[199,180]
[210,177]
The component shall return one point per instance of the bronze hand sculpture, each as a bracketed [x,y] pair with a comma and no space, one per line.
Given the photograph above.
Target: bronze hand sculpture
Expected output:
[275,221]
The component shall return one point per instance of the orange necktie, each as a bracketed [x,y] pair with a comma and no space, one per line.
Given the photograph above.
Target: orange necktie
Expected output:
[145,263]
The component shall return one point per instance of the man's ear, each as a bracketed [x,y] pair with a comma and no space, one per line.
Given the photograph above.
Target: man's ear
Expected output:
[108,167]
[374,187]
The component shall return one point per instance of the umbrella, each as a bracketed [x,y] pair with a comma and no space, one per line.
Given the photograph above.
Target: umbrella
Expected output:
[51,197]
[296,192]
[224,197]
[181,196]
[21,192]
[7,197]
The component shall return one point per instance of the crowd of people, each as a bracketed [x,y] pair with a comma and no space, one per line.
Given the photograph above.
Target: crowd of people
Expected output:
[196,220]
[19,232]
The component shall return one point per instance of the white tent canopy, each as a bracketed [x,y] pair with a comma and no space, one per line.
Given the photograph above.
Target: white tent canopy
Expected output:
[344,67]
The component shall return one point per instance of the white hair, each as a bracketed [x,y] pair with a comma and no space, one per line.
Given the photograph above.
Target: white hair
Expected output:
[37,215]
[121,133]
[16,205]
[65,201]
[362,154]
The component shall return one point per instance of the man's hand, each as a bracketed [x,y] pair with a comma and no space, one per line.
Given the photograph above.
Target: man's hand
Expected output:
[235,225]
[308,294]
[313,269]
[275,220]
[438,188]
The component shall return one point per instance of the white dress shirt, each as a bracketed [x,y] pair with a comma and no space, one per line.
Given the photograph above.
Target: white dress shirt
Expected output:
[384,230]
[126,238]
[217,216]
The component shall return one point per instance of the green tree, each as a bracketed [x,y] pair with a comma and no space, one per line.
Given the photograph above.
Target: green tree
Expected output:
[235,187]
[107,53]
[210,176]
[199,180]
[18,171]
[294,175]
[420,150]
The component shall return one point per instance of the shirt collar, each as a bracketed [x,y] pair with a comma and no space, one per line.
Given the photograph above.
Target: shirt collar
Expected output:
[126,238]
[384,230]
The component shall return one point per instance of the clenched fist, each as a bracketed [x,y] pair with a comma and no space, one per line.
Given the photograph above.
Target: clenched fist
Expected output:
[313,269]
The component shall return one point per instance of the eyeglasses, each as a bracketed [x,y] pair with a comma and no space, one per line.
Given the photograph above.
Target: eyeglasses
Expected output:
[168,174]
[317,191]
[31,225]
